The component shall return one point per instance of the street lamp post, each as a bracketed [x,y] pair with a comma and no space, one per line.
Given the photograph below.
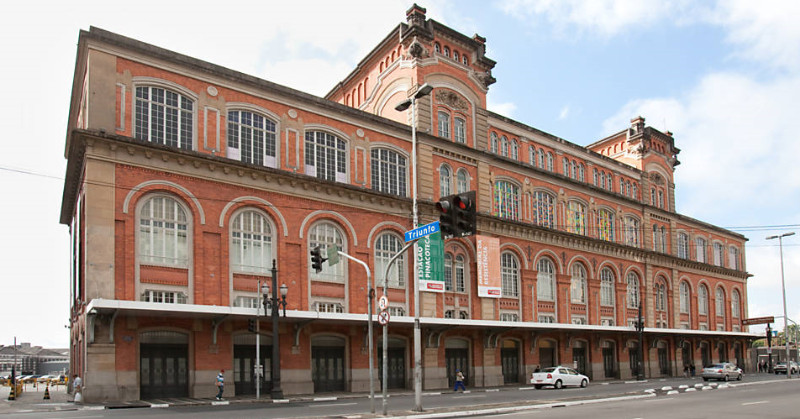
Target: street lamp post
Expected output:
[783,287]
[275,303]
[640,330]
[422,91]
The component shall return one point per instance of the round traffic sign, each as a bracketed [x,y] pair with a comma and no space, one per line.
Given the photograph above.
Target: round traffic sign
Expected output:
[383,302]
[383,317]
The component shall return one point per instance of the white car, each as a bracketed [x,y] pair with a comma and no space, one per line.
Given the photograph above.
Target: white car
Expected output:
[559,377]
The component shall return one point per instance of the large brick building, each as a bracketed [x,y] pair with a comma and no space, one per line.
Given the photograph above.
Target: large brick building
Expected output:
[186,179]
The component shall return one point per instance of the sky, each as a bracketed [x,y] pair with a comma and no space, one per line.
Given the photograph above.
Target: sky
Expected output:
[722,76]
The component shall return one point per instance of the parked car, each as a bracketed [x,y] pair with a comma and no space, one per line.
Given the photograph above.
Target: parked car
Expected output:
[558,377]
[724,371]
[794,368]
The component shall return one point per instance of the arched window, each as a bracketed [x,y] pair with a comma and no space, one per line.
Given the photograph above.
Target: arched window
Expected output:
[576,218]
[456,56]
[633,290]
[549,161]
[544,212]
[606,287]
[621,185]
[733,258]
[656,238]
[684,303]
[163,232]
[661,296]
[164,117]
[532,155]
[603,180]
[596,177]
[510,275]
[700,249]
[462,181]
[718,254]
[437,47]
[683,245]
[735,304]
[251,243]
[632,231]
[514,150]
[605,225]
[495,143]
[504,146]
[545,280]
[719,303]
[464,59]
[581,172]
[634,192]
[388,171]
[460,130]
[541,159]
[444,124]
[460,279]
[506,200]
[577,290]
[702,300]
[574,170]
[565,166]
[445,179]
[448,272]
[386,247]
[251,138]
[447,51]
[663,236]
[327,234]
[326,156]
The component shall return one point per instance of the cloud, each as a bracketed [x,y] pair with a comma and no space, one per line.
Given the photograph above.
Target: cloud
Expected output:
[564,113]
[506,109]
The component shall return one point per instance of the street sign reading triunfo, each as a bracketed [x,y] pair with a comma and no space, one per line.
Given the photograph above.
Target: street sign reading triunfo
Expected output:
[422,231]
[758,320]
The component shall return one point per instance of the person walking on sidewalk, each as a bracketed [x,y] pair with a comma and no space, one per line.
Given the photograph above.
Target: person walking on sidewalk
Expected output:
[459,381]
[220,381]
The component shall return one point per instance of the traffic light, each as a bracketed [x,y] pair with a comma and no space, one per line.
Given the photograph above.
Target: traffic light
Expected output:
[317,259]
[457,214]
[251,325]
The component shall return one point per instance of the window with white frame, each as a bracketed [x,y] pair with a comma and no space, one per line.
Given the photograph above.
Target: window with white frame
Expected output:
[656,238]
[545,280]
[635,192]
[606,321]
[449,314]
[544,209]
[661,296]
[549,161]
[460,130]
[251,243]
[719,303]
[444,124]
[251,138]
[546,318]
[164,297]
[700,249]
[462,181]
[247,302]
[459,274]
[581,172]
[702,300]
[662,233]
[504,146]
[633,290]
[703,326]
[328,307]
[577,290]
[463,315]
[532,155]
[326,156]
[506,200]
[389,172]
[164,117]
[605,224]
[596,177]
[448,272]
[576,217]
[735,304]
[324,235]
[509,317]
[396,311]
[574,170]
[733,258]
[684,297]
[683,245]
[565,166]
[606,287]
[445,179]
[514,150]
[495,146]
[718,254]
[660,198]
[386,247]
[541,159]
[163,232]
[509,272]
[578,320]
[632,231]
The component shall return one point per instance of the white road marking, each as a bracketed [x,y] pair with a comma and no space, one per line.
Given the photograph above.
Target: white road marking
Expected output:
[659,399]
[752,403]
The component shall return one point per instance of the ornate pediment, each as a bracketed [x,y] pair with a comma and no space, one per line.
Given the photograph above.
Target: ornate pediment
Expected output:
[452,100]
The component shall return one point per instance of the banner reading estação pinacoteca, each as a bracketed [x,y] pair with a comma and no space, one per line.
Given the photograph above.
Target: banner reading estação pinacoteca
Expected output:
[430,260]
[488,266]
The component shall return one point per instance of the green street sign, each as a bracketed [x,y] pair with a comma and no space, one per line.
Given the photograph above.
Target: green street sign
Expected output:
[430,260]
[333,255]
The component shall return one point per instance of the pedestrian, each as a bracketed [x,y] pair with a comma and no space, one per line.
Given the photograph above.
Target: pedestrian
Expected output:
[537,369]
[459,381]
[691,369]
[220,381]
[77,388]
[686,371]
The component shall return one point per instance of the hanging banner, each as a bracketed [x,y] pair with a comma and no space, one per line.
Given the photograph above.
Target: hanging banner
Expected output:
[430,260]
[488,266]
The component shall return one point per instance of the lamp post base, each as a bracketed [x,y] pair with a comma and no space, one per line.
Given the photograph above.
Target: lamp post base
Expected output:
[276,394]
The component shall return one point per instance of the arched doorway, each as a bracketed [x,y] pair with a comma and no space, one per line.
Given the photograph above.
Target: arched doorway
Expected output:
[722,351]
[610,359]
[163,364]
[579,357]
[547,353]
[396,358]
[664,365]
[327,363]
[509,359]
[705,354]
[456,358]
[686,354]
[737,353]
[244,361]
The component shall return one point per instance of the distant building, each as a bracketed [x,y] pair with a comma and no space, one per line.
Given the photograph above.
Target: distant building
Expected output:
[33,360]
[185,180]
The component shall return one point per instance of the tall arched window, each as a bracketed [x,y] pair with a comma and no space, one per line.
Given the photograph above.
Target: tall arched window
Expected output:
[495,143]
[545,280]
[506,200]
[164,117]
[460,279]
[718,254]
[251,138]
[633,290]
[531,155]
[565,166]
[445,180]
[444,124]
[510,275]
[702,300]
[700,249]
[462,181]
[251,243]
[606,287]
[581,172]
[576,218]
[541,159]
[504,146]
[683,245]
[448,272]
[544,212]
[514,150]
[326,156]
[324,235]
[163,232]
[631,231]
[661,296]
[389,172]
[719,303]
[460,130]
[605,225]
[735,304]
[386,247]
[733,258]
[549,161]
[684,303]
[595,177]
[577,290]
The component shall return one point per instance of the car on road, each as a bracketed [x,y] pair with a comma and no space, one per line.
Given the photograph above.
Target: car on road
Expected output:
[558,377]
[794,368]
[724,371]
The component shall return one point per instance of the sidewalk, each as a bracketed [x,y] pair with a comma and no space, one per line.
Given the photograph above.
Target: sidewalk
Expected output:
[32,400]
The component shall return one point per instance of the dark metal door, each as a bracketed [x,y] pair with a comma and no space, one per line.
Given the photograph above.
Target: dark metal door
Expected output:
[327,368]
[579,358]
[663,361]
[164,370]
[509,358]
[456,359]
[608,363]
[396,375]
[547,357]
[244,360]
[633,356]
[705,354]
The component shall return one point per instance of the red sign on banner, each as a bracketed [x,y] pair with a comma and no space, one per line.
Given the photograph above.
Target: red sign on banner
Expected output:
[488,266]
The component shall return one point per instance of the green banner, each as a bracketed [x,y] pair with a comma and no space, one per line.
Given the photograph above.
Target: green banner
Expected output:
[430,262]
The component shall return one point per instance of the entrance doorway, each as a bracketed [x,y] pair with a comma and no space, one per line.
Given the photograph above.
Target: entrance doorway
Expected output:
[663,359]
[547,353]
[163,364]
[722,352]
[509,359]
[579,360]
[327,363]
[456,358]
[244,361]
[396,374]
[705,354]
[609,359]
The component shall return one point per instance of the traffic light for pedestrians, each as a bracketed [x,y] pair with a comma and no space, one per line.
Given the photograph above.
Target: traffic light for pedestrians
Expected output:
[317,259]
[457,214]
[251,325]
